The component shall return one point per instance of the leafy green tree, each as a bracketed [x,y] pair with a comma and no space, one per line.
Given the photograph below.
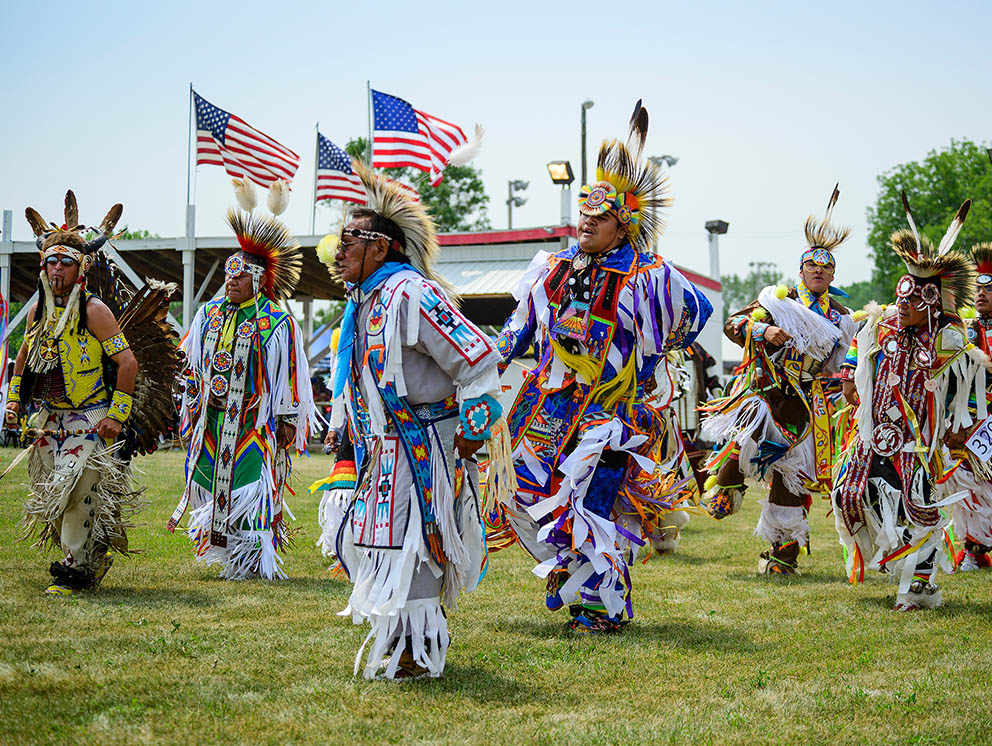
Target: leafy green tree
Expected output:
[936,186]
[739,291]
[459,203]
[860,294]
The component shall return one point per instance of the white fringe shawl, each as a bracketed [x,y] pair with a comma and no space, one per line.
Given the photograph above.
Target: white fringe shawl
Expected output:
[811,333]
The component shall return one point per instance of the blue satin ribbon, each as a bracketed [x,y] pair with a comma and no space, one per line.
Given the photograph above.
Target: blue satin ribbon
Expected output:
[346,340]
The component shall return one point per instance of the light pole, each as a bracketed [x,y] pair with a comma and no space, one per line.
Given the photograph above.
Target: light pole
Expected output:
[586,105]
[714,229]
[661,161]
[516,185]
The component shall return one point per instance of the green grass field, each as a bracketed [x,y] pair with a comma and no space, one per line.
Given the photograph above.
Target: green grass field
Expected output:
[167,653]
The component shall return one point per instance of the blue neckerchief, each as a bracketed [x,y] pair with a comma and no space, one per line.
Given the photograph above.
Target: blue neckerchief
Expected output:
[346,340]
[838,292]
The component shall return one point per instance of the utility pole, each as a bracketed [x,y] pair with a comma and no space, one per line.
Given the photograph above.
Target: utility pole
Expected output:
[515,185]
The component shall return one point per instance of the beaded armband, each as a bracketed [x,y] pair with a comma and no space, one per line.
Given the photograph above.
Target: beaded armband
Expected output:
[120,407]
[477,416]
[14,390]
[115,344]
[758,331]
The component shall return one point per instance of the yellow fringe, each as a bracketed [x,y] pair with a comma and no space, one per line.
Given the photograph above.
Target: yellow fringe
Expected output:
[624,386]
[588,367]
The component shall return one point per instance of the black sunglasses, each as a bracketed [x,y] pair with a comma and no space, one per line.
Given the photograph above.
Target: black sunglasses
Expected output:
[67,261]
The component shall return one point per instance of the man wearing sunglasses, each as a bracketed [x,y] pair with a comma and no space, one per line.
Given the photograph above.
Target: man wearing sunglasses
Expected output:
[973,515]
[774,422]
[912,374]
[418,383]
[81,497]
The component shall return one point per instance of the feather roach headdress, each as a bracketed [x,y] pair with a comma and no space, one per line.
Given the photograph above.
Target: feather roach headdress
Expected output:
[822,237]
[982,254]
[943,277]
[634,191]
[392,201]
[267,239]
[75,241]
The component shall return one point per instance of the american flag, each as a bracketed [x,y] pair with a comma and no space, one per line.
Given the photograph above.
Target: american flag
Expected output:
[404,136]
[335,179]
[223,139]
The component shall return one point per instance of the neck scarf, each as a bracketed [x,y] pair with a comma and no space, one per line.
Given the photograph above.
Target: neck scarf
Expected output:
[346,340]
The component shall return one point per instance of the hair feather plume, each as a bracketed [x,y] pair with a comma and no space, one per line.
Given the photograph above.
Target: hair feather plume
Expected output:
[109,221]
[71,211]
[278,199]
[465,153]
[392,201]
[37,223]
[244,193]
[822,235]
[954,228]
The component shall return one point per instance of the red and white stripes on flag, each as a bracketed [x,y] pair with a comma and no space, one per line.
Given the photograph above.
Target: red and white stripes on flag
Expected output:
[223,139]
[404,136]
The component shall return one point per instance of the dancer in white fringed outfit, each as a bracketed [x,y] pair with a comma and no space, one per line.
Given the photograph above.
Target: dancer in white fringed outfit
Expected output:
[247,400]
[418,382]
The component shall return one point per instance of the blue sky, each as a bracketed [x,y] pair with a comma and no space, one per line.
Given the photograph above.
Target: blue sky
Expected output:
[765,104]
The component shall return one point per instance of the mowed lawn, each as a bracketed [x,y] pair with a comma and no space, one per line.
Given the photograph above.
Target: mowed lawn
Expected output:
[167,653]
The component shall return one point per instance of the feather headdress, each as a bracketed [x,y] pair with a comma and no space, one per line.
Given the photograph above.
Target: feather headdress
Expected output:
[71,234]
[71,240]
[951,272]
[982,254]
[633,190]
[822,237]
[392,201]
[267,238]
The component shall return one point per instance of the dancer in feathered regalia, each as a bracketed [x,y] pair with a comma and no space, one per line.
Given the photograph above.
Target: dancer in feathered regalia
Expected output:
[247,399]
[916,374]
[973,514]
[775,416]
[418,383]
[592,459]
[98,362]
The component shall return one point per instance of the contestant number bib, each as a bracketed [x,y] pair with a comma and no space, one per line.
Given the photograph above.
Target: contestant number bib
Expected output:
[980,442]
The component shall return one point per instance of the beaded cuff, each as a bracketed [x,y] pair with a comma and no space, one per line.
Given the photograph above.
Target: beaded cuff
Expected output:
[120,407]
[477,416]
[758,331]
[115,344]
[14,390]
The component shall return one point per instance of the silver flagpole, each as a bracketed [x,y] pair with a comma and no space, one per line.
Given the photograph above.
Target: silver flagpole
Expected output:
[189,142]
[316,161]
[368,150]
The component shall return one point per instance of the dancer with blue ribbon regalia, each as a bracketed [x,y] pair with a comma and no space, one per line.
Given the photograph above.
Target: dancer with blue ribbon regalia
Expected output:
[417,381]
[596,464]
